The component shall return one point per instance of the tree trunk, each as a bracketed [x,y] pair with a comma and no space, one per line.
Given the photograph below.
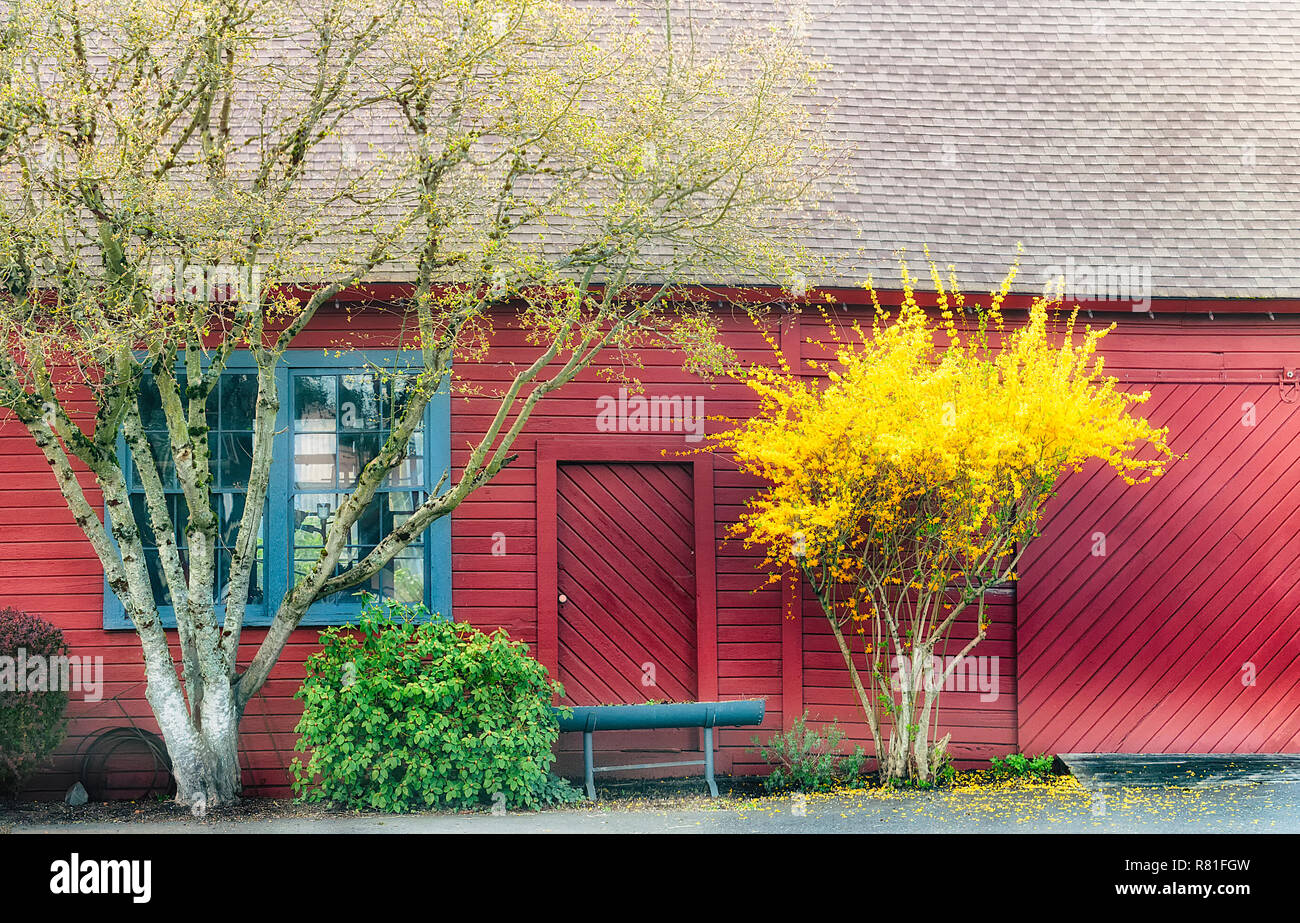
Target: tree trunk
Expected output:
[868,707]
[205,758]
[205,765]
[921,742]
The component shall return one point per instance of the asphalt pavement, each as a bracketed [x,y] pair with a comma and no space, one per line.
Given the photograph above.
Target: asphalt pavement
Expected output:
[1100,801]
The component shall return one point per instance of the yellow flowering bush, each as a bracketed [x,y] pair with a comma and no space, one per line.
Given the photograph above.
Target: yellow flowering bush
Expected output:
[908,479]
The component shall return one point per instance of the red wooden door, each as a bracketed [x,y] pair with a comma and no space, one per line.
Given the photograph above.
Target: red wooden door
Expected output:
[626,575]
[1166,617]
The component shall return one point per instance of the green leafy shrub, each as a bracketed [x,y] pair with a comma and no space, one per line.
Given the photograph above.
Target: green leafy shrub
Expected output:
[407,714]
[1018,765]
[805,760]
[32,722]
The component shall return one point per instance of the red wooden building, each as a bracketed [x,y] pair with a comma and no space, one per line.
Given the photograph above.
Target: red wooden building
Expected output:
[1162,618]
[1140,644]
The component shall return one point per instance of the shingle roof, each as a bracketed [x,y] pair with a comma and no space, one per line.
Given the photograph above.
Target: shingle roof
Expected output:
[1159,137]
[1154,140]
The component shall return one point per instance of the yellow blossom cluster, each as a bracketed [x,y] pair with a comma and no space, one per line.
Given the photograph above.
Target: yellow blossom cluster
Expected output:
[946,450]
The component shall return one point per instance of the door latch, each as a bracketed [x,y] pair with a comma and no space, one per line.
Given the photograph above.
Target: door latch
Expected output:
[1287,382]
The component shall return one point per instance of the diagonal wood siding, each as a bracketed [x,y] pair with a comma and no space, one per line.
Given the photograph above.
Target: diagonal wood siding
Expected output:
[1142,644]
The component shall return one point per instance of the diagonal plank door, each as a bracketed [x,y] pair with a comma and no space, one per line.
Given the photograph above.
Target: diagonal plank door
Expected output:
[626,561]
[1166,617]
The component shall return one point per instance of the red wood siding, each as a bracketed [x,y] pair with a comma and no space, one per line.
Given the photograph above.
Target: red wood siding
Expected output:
[46,566]
[1142,645]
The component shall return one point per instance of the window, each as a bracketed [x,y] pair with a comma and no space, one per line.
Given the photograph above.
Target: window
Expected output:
[335,415]
[340,422]
[230,449]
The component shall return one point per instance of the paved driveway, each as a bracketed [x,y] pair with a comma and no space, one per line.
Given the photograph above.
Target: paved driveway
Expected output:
[1063,805]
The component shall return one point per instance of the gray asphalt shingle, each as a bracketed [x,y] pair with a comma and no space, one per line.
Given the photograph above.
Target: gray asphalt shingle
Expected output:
[1161,137]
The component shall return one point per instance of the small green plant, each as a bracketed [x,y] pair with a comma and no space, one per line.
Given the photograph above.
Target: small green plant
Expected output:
[405,712]
[944,771]
[32,720]
[1018,765]
[850,767]
[805,760]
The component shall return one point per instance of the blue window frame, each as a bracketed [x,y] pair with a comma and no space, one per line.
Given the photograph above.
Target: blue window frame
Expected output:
[333,416]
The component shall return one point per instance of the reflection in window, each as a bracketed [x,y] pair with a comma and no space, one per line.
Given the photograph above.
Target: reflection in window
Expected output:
[230,413]
[340,423]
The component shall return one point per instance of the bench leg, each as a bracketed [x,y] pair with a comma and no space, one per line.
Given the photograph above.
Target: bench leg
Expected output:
[588,765]
[708,761]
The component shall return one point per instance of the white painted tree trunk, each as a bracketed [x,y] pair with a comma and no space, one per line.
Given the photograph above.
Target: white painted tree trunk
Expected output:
[205,760]
[204,754]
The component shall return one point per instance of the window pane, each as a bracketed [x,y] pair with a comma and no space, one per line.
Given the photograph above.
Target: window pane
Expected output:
[224,558]
[221,583]
[355,452]
[314,459]
[409,472]
[314,403]
[230,509]
[150,404]
[212,407]
[161,447]
[238,401]
[404,578]
[378,585]
[180,513]
[149,401]
[359,402]
[366,530]
[140,510]
[154,563]
[234,461]
[303,561]
[311,516]
[401,389]
[398,508]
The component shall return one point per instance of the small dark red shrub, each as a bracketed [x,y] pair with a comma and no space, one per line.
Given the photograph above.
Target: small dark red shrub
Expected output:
[32,722]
